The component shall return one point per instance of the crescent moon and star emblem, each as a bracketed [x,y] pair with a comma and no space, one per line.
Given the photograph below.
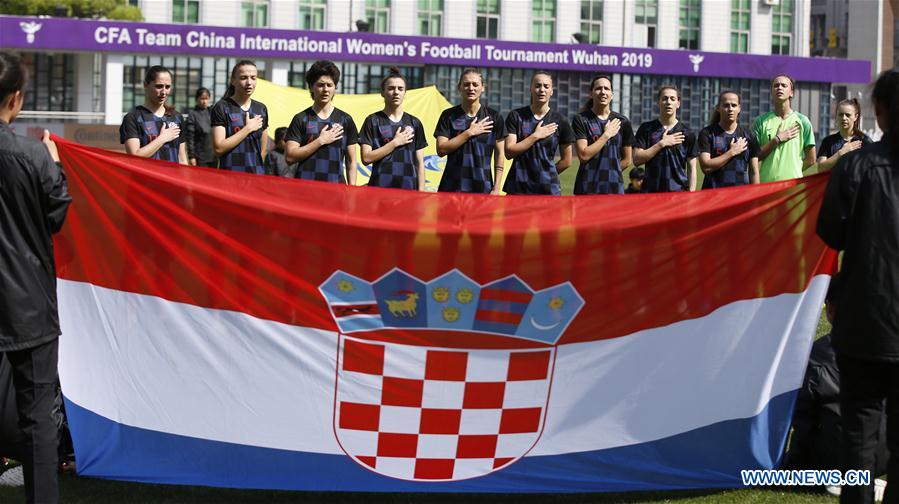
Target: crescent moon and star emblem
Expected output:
[555,304]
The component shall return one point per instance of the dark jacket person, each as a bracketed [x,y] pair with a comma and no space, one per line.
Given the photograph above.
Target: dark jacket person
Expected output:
[199,132]
[33,204]
[860,215]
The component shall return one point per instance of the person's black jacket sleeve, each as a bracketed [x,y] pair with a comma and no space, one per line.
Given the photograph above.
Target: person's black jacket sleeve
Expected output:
[58,199]
[34,200]
[190,127]
[839,198]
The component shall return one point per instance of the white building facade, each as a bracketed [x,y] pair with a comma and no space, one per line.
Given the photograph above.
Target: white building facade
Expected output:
[102,86]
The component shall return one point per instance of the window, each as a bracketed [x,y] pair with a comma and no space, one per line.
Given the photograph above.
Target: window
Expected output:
[312,15]
[739,26]
[591,20]
[357,78]
[51,81]
[186,73]
[377,12]
[189,73]
[818,34]
[185,11]
[488,19]
[647,13]
[690,12]
[254,13]
[543,27]
[782,27]
[635,95]
[430,17]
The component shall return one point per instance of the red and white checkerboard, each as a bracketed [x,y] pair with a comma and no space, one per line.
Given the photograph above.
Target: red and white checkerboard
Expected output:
[438,414]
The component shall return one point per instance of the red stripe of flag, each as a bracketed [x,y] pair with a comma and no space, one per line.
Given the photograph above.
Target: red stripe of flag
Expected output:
[497,316]
[218,239]
[359,309]
[506,295]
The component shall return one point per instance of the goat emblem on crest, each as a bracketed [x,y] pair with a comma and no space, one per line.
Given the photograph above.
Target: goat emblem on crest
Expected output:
[403,307]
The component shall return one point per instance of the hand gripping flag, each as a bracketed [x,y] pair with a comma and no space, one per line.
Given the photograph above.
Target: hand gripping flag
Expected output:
[255,332]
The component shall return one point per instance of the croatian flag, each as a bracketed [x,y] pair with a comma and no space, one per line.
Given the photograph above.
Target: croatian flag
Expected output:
[238,330]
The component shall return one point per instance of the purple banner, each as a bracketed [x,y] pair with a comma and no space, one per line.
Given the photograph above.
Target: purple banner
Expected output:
[62,34]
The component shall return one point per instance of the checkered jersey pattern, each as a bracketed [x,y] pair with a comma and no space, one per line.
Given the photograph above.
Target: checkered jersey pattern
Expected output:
[397,169]
[247,156]
[833,143]
[142,124]
[468,169]
[420,413]
[667,170]
[534,171]
[327,163]
[602,173]
[714,140]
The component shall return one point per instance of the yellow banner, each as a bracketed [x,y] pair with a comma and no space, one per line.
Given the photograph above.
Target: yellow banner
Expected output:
[424,103]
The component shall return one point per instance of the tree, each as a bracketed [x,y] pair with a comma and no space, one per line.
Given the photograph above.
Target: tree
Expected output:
[91,9]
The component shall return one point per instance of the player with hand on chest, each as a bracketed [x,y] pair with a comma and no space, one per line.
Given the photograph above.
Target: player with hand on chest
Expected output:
[667,147]
[322,139]
[536,133]
[393,141]
[604,140]
[239,123]
[470,135]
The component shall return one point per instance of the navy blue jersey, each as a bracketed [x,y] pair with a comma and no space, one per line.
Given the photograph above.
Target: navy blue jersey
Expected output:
[534,171]
[468,168]
[667,170]
[399,168]
[833,143]
[247,156]
[714,140]
[327,163]
[144,125]
[601,174]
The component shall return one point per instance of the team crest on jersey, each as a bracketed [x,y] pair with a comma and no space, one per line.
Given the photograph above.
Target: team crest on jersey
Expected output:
[447,379]
[386,131]
[526,129]
[595,130]
[720,145]
[151,129]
